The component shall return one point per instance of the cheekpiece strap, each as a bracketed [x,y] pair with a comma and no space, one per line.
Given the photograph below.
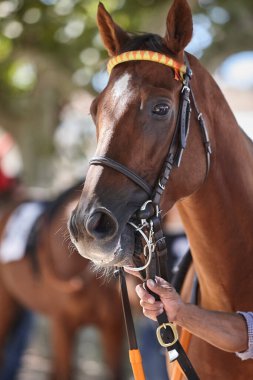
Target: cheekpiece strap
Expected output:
[146,55]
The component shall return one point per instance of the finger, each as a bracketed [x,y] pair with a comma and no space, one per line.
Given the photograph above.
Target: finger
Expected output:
[162,289]
[144,295]
[161,281]
[153,307]
[152,314]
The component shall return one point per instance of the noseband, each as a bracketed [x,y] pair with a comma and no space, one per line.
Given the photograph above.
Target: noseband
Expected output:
[149,214]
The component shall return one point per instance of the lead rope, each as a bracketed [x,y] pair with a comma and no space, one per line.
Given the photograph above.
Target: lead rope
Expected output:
[134,352]
[167,334]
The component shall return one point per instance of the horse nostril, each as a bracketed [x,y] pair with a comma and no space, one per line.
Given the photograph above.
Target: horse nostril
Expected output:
[102,225]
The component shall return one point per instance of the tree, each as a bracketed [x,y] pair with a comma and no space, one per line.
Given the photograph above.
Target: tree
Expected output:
[50,48]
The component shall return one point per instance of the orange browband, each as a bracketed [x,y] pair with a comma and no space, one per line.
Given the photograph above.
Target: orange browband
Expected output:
[146,55]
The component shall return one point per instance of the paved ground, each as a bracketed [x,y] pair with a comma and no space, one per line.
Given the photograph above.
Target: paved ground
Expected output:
[88,363]
[87,357]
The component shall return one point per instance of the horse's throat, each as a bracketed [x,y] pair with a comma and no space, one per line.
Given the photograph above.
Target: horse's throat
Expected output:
[218,221]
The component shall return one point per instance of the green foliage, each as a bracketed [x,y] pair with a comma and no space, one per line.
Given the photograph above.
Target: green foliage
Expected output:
[64,32]
[61,31]
[49,48]
[231,26]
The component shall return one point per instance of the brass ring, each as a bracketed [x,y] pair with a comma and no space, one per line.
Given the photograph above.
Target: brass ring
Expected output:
[159,337]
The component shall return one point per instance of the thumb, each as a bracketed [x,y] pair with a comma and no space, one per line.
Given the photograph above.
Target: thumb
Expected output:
[160,287]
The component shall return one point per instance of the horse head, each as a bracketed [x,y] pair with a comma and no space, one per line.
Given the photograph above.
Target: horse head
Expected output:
[136,119]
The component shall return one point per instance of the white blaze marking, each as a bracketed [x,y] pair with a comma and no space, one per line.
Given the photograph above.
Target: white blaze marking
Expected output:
[119,99]
[121,95]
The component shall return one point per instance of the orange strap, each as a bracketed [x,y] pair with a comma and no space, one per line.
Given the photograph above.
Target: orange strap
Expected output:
[146,55]
[185,339]
[136,363]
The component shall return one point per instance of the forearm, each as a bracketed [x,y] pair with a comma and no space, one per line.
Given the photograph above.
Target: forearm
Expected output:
[227,331]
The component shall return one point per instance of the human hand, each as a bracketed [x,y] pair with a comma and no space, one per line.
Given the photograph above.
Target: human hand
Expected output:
[170,301]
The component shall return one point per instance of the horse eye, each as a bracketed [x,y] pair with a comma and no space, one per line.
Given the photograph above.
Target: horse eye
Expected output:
[161,109]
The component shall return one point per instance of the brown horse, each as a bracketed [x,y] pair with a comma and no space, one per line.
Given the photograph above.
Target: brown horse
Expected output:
[136,117]
[62,286]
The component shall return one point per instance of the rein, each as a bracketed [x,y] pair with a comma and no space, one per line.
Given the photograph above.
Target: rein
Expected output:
[149,214]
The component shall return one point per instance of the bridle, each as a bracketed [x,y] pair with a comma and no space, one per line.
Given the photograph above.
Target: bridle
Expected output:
[179,140]
[149,216]
[178,144]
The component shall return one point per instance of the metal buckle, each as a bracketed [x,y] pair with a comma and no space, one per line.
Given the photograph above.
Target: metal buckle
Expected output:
[159,337]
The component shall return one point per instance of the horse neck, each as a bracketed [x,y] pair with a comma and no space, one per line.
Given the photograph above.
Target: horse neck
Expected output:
[218,218]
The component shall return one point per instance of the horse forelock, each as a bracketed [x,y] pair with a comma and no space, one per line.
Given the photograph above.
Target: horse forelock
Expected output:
[146,41]
[152,43]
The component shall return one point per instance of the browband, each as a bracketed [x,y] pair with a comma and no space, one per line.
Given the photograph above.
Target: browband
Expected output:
[146,55]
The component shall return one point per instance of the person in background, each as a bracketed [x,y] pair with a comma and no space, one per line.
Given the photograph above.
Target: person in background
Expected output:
[11,168]
[12,191]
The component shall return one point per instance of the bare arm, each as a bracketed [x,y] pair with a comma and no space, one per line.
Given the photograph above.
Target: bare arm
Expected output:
[227,331]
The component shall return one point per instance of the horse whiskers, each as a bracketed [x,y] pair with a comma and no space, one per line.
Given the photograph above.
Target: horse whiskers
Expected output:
[60,231]
[105,273]
[71,247]
[64,234]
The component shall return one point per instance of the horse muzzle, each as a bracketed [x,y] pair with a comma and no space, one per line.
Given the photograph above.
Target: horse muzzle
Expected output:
[97,237]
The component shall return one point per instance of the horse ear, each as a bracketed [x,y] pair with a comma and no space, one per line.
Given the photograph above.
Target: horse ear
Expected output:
[112,35]
[179,26]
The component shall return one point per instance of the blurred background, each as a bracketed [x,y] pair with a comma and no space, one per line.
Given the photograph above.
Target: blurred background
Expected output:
[52,64]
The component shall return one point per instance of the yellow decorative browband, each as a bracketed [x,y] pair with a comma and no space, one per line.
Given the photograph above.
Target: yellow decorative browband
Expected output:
[146,55]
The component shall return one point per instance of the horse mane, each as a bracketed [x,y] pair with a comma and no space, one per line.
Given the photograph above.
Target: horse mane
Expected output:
[146,41]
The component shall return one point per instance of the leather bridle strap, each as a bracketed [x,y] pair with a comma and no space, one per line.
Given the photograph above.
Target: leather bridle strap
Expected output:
[182,357]
[177,146]
[202,125]
[204,132]
[106,161]
[174,155]
[178,143]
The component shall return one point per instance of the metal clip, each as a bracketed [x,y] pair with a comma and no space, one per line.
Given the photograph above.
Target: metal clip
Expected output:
[200,116]
[143,208]
[159,337]
[160,185]
[157,211]
[185,88]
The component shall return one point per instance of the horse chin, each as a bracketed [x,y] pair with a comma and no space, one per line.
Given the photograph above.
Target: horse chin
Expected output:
[119,253]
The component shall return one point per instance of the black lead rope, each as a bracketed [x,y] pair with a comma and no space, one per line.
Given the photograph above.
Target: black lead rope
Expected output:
[166,332]
[134,353]
[169,339]
[131,335]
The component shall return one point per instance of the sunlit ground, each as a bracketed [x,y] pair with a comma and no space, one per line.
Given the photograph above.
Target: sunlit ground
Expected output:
[88,361]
